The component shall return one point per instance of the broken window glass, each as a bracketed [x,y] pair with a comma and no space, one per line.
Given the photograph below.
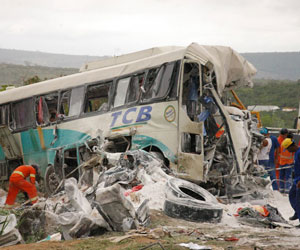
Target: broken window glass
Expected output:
[174,81]
[158,81]
[121,91]
[64,103]
[134,89]
[71,102]
[190,90]
[77,97]
[46,108]
[191,143]
[23,114]
[97,97]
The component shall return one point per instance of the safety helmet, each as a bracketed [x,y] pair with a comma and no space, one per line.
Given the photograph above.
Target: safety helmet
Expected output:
[287,142]
[264,131]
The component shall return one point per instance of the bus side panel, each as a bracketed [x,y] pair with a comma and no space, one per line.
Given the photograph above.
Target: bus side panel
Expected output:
[2,155]
[32,149]
[143,141]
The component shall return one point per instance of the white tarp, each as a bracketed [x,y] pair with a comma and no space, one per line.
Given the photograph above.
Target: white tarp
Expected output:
[232,70]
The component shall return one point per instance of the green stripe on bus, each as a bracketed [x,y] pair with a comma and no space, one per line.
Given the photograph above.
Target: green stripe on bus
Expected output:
[130,125]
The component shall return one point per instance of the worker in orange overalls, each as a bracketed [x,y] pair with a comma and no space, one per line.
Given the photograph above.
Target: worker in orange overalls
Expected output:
[283,134]
[17,182]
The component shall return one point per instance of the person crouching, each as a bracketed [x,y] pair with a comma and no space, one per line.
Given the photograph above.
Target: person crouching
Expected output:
[18,182]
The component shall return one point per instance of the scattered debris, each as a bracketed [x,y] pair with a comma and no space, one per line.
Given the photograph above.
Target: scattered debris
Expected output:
[53,237]
[194,246]
[9,235]
[115,191]
[264,216]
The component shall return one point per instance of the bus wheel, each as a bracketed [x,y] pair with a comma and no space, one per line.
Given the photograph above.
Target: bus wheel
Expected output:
[188,201]
[162,158]
[51,180]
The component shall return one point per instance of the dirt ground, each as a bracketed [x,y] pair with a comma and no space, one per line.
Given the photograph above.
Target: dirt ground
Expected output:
[166,233]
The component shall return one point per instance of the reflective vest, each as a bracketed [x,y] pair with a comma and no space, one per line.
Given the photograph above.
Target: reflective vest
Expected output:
[285,156]
[24,171]
[280,139]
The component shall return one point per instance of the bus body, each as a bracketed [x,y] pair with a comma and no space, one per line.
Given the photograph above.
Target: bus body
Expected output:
[167,100]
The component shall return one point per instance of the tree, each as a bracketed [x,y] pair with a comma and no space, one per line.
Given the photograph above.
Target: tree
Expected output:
[31,80]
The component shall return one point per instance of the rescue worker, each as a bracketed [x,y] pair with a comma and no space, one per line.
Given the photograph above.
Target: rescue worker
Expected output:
[283,134]
[273,156]
[294,194]
[286,159]
[267,154]
[17,182]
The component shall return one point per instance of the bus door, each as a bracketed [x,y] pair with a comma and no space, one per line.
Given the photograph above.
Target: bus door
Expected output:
[190,152]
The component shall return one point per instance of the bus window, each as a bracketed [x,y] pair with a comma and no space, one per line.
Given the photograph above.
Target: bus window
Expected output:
[23,114]
[64,104]
[46,108]
[121,91]
[158,81]
[71,102]
[76,102]
[97,98]
[134,89]
[191,91]
[4,113]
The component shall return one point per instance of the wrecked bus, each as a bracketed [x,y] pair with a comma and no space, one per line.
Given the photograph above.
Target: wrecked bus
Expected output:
[171,101]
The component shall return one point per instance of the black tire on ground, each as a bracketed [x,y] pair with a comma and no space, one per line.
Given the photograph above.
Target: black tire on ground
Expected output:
[51,180]
[188,201]
[192,211]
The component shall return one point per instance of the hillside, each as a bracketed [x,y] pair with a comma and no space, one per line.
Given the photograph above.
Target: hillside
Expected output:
[17,74]
[34,58]
[275,65]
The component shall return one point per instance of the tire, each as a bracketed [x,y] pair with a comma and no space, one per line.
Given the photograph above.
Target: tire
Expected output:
[51,180]
[188,201]
[192,211]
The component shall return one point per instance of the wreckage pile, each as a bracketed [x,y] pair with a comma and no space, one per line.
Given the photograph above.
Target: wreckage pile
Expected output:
[115,196]
[107,200]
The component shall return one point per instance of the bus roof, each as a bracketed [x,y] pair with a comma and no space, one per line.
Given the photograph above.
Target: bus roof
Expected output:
[231,69]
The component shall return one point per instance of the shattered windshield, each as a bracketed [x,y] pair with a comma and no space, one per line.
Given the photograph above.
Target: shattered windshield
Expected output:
[158,81]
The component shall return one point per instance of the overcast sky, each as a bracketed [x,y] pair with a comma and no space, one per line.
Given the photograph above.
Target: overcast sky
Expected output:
[114,27]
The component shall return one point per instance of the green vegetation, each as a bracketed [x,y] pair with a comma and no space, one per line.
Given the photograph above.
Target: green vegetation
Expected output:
[273,92]
[3,87]
[32,80]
